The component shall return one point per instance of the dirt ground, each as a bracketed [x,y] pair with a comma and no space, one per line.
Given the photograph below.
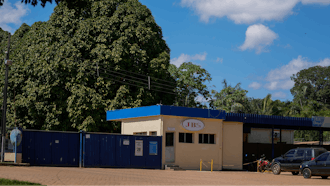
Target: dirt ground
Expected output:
[111,176]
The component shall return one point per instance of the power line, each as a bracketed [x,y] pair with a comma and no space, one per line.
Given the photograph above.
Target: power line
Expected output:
[140,74]
[133,84]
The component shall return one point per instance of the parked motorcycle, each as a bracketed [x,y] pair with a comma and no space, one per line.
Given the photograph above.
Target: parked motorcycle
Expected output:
[264,164]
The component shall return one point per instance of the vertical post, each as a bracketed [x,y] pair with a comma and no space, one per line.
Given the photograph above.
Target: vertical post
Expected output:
[321,137]
[200,165]
[280,135]
[15,149]
[211,165]
[83,151]
[149,82]
[5,105]
[273,142]
[80,149]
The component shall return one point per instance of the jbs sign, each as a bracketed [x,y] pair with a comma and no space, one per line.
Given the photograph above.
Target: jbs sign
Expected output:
[193,125]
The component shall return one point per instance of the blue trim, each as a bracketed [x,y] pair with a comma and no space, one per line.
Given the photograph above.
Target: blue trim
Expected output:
[133,112]
[157,110]
[84,147]
[269,120]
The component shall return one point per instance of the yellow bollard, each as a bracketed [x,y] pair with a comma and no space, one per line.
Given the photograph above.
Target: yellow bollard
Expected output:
[211,165]
[200,165]
[257,166]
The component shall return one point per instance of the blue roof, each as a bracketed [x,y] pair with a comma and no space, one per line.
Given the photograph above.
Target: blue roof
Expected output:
[157,110]
[270,120]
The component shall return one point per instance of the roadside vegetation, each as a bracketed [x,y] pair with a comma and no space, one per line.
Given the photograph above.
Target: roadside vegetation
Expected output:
[15,182]
[110,54]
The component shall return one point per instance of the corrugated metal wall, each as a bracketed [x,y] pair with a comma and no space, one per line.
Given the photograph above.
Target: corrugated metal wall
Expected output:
[50,148]
[55,148]
[109,150]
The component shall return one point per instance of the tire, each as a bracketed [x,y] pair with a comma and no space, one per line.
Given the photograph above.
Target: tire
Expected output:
[276,169]
[295,173]
[324,177]
[307,173]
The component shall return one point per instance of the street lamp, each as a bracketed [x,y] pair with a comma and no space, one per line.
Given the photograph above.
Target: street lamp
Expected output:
[7,63]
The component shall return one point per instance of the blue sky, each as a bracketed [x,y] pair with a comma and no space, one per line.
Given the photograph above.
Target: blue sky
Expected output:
[257,43]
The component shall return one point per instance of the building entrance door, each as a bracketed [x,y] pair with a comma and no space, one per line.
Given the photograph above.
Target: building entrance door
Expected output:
[169,147]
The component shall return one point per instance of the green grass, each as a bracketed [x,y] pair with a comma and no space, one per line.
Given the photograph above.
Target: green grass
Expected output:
[15,182]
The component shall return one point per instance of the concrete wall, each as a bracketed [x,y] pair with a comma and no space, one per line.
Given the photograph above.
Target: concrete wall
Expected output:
[258,135]
[144,124]
[188,155]
[233,145]
[10,156]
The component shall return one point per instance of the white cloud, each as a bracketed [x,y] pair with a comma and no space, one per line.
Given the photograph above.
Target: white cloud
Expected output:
[220,60]
[279,95]
[279,78]
[258,37]
[246,11]
[322,2]
[187,58]
[201,99]
[255,85]
[242,11]
[10,14]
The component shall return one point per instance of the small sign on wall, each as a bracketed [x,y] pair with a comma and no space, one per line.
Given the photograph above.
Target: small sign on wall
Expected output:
[138,147]
[171,128]
[57,141]
[88,136]
[152,147]
[125,142]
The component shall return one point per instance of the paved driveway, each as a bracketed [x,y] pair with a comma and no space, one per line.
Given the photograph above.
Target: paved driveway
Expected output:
[109,176]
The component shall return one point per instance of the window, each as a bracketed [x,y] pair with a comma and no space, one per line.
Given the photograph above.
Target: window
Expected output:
[140,133]
[153,133]
[206,138]
[300,153]
[323,157]
[309,154]
[290,154]
[185,138]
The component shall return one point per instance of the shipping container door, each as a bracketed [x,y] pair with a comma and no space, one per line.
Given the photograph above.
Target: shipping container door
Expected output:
[123,150]
[73,150]
[107,150]
[139,150]
[154,155]
[59,148]
[92,145]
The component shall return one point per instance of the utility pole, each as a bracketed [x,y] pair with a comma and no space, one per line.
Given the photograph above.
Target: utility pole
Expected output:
[7,63]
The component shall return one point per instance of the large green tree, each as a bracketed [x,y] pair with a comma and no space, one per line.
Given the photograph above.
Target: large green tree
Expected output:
[54,83]
[230,99]
[312,84]
[191,84]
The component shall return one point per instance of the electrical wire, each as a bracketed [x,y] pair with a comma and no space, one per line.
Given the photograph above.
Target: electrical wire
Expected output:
[131,84]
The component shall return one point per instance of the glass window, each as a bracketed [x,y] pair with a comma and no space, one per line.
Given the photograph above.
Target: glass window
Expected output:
[290,153]
[154,133]
[185,138]
[206,138]
[200,138]
[309,153]
[300,153]
[169,139]
[189,138]
[181,137]
[323,157]
[212,138]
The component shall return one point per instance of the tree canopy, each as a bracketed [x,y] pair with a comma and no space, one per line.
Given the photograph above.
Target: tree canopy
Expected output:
[54,82]
[190,79]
